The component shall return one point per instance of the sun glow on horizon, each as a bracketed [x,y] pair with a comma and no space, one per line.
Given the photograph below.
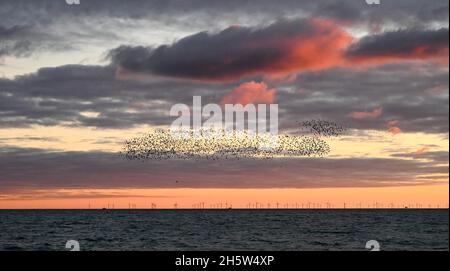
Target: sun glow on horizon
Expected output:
[432,196]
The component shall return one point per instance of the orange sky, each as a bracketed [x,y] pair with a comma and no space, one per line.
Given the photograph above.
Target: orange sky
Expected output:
[74,139]
[427,196]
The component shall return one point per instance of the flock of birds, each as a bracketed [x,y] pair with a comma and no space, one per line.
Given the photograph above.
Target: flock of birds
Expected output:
[221,144]
[323,128]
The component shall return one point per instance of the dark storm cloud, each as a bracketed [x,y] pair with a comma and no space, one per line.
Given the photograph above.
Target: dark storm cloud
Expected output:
[31,168]
[403,43]
[232,53]
[281,48]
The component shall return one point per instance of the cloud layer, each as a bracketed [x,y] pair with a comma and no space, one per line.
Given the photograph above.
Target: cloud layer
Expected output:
[401,44]
[60,95]
[281,48]
[103,170]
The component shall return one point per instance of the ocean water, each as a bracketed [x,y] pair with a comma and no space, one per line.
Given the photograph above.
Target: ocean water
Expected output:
[285,230]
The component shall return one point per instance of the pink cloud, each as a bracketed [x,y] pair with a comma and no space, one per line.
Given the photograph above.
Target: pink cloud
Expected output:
[250,93]
[278,51]
[367,115]
[394,131]
[422,150]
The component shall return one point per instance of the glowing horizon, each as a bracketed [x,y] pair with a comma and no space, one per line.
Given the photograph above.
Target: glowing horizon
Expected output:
[394,197]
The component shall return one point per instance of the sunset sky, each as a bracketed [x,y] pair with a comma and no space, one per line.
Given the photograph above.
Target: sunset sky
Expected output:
[76,81]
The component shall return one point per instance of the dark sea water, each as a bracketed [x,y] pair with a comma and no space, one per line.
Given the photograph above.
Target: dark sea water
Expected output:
[224,229]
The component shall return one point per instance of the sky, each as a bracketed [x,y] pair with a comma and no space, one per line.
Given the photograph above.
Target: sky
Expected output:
[77,81]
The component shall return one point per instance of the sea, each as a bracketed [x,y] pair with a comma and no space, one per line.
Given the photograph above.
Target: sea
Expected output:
[223,230]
